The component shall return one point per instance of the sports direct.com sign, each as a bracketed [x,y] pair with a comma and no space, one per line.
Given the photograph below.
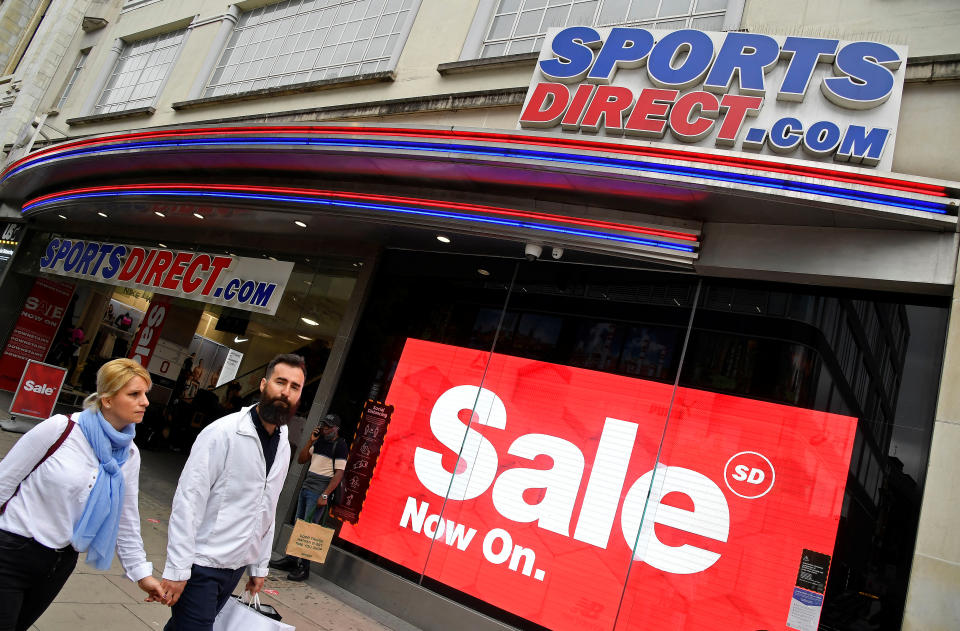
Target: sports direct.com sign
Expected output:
[558,492]
[803,97]
[232,281]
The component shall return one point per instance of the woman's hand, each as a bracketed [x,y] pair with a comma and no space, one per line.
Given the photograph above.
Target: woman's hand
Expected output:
[321,502]
[172,590]
[154,591]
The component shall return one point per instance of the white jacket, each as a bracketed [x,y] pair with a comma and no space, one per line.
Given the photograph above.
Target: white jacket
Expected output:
[224,507]
[52,498]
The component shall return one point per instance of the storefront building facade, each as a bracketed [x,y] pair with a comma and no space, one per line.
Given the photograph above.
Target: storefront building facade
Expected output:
[656,295]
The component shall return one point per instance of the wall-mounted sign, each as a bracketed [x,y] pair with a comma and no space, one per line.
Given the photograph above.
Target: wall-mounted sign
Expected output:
[362,460]
[36,327]
[38,391]
[803,97]
[534,485]
[232,281]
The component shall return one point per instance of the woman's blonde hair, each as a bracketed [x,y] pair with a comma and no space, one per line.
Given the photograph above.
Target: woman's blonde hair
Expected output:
[112,377]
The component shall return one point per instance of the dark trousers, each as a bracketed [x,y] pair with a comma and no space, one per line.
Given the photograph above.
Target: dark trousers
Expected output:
[206,593]
[31,576]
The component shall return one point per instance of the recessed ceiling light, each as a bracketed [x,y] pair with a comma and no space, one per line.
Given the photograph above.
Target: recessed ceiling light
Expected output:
[101,213]
[310,322]
[443,239]
[272,258]
[61,216]
[158,213]
[483,272]
[300,223]
[162,245]
[304,337]
[198,215]
[308,282]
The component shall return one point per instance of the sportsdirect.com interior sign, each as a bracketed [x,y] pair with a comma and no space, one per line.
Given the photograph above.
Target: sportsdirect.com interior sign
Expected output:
[232,281]
[804,97]
[557,488]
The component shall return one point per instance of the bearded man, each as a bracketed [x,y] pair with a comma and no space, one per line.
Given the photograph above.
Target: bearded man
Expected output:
[223,512]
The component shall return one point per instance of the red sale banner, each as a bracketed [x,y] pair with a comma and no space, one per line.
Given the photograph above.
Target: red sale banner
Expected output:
[35,328]
[38,390]
[146,340]
[566,496]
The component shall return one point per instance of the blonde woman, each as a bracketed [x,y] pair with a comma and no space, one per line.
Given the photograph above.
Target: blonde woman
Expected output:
[69,485]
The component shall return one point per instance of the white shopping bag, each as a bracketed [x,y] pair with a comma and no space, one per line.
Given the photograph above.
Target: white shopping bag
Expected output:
[244,615]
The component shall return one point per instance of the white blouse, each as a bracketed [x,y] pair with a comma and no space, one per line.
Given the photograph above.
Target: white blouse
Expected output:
[51,500]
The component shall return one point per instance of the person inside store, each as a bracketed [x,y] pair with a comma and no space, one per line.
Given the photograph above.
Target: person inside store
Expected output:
[222,525]
[327,454]
[123,321]
[70,485]
[186,370]
[232,400]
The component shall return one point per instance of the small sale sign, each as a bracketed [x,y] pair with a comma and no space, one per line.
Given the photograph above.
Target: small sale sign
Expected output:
[38,390]
[584,500]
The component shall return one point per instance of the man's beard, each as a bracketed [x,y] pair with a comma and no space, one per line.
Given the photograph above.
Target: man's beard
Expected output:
[275,411]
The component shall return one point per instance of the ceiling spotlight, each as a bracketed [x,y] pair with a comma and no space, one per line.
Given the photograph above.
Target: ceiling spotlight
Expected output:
[158,213]
[443,239]
[304,337]
[272,258]
[300,223]
[61,216]
[482,272]
[162,245]
[198,215]
[240,340]
[309,321]
[101,213]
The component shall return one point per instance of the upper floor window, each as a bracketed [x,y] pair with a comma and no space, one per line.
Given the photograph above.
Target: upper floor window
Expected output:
[81,62]
[308,40]
[140,71]
[519,26]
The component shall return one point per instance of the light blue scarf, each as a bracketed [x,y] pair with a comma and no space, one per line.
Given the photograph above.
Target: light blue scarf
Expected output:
[96,532]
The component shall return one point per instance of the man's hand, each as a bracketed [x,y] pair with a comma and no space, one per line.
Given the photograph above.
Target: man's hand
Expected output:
[153,588]
[172,590]
[254,585]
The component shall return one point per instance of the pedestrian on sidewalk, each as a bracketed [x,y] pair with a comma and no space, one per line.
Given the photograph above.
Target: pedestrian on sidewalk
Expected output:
[70,485]
[327,454]
[222,519]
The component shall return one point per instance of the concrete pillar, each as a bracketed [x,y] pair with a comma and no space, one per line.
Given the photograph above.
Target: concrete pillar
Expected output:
[932,603]
[106,69]
[227,25]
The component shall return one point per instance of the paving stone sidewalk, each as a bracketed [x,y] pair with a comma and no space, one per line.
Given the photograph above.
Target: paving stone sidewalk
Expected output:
[107,601]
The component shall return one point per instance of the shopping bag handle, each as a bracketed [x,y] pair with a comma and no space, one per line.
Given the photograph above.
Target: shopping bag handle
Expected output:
[251,600]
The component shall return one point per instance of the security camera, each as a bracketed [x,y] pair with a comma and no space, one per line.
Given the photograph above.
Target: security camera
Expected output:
[532,251]
[556,253]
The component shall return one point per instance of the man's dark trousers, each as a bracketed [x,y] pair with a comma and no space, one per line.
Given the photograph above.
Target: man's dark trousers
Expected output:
[204,596]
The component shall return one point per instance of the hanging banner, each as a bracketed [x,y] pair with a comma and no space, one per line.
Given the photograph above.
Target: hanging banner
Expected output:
[564,496]
[803,97]
[230,366]
[232,281]
[38,390]
[36,327]
[148,334]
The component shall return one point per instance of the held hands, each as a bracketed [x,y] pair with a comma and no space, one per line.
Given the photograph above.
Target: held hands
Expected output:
[254,585]
[171,590]
[153,589]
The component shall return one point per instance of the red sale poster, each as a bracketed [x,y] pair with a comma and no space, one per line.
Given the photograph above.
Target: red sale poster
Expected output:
[567,497]
[38,390]
[35,329]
